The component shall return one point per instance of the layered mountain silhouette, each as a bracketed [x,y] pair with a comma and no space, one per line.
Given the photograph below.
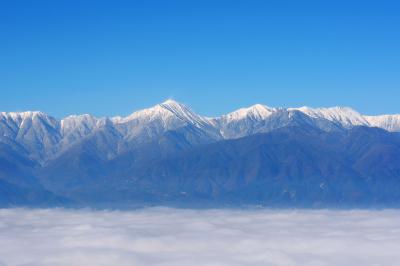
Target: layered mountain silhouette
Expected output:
[168,154]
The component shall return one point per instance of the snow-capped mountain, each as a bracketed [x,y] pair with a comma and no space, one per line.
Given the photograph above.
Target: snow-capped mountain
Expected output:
[44,136]
[256,112]
[243,122]
[76,127]
[169,153]
[343,116]
[38,132]
[154,121]
[387,122]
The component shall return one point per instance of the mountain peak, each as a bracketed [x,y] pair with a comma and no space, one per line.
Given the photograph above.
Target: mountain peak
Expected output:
[167,111]
[23,115]
[345,116]
[257,112]
[73,121]
[170,102]
[174,107]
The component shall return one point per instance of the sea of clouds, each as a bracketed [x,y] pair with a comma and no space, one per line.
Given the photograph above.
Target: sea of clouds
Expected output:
[162,236]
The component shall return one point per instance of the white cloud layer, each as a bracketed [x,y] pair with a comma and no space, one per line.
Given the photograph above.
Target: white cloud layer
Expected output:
[199,237]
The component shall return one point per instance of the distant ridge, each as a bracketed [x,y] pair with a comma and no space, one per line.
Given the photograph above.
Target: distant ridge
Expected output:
[35,129]
[169,154]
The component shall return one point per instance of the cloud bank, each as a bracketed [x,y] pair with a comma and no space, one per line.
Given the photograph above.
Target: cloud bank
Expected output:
[167,237]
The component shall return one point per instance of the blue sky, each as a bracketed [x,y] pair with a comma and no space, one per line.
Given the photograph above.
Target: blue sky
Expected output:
[113,57]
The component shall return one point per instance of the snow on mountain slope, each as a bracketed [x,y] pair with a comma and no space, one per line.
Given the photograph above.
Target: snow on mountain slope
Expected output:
[242,122]
[11,123]
[255,112]
[44,136]
[156,120]
[387,122]
[76,127]
[344,116]
[36,131]
[169,111]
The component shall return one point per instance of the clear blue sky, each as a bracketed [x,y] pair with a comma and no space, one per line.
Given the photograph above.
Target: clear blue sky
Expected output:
[113,57]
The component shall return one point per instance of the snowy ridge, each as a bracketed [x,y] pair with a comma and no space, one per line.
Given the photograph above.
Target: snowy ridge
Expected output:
[243,122]
[166,111]
[82,123]
[387,122]
[19,118]
[36,131]
[44,136]
[344,116]
[255,112]
[77,127]
[154,121]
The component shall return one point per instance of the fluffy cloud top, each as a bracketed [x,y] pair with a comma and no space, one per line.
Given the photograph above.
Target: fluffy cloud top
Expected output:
[199,237]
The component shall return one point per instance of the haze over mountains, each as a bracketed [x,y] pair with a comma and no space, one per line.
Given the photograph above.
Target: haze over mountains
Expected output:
[168,154]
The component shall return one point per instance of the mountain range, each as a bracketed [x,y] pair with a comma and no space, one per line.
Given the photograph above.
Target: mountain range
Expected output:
[168,154]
